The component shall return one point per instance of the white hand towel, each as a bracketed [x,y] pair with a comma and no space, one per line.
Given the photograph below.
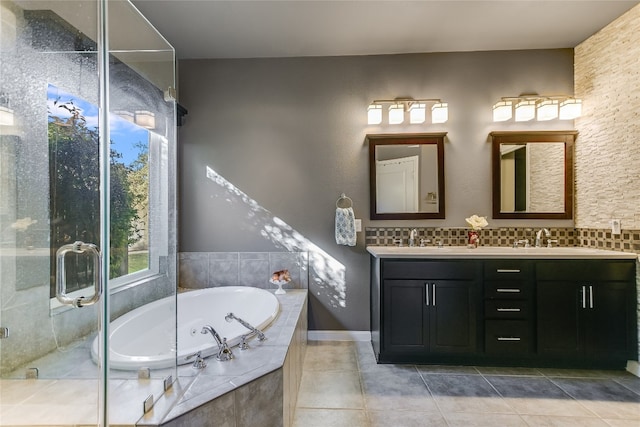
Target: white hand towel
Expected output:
[345,227]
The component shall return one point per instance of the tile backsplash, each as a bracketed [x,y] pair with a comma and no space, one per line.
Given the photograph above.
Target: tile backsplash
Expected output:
[628,240]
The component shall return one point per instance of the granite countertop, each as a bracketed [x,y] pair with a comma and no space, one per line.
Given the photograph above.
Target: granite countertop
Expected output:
[488,252]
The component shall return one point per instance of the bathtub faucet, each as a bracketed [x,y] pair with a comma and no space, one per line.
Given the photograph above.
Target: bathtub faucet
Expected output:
[224,352]
[230,316]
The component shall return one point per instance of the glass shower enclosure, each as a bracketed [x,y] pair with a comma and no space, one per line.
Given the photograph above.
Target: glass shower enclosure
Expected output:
[87,208]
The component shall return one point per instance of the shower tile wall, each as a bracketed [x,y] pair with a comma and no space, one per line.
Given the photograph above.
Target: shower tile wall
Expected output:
[198,270]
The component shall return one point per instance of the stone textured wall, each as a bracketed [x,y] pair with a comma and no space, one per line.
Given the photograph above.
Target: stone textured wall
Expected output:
[607,78]
[546,171]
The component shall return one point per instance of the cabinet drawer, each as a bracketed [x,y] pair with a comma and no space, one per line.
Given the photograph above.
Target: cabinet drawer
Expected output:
[430,270]
[508,269]
[591,270]
[506,309]
[507,336]
[508,289]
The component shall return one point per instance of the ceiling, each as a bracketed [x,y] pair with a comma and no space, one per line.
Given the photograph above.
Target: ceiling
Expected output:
[266,28]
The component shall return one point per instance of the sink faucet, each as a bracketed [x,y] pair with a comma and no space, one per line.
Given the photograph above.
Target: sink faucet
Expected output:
[224,352]
[539,236]
[412,237]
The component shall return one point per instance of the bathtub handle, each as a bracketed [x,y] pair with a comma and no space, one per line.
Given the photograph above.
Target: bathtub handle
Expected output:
[61,276]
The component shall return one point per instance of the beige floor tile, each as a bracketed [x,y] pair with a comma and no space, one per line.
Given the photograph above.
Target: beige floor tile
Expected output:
[405,419]
[340,356]
[559,407]
[16,391]
[550,421]
[622,423]
[486,405]
[483,420]
[330,417]
[337,390]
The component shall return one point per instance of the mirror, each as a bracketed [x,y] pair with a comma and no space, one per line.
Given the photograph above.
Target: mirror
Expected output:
[533,174]
[406,176]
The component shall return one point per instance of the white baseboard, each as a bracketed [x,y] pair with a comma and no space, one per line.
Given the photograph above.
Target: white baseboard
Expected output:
[633,366]
[339,336]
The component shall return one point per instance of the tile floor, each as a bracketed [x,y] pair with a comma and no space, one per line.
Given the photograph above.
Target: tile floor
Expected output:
[343,386]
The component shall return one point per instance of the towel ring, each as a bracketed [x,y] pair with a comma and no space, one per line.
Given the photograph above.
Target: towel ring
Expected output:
[344,199]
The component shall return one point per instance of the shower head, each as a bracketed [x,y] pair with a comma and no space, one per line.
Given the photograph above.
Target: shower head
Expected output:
[229,317]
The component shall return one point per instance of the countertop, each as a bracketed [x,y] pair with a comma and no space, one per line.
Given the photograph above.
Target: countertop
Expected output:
[487,252]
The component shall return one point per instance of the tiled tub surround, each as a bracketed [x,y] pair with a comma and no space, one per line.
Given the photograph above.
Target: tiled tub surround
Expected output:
[261,381]
[259,387]
[210,269]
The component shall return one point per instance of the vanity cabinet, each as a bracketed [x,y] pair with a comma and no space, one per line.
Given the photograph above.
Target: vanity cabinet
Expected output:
[428,308]
[508,307]
[510,311]
[586,310]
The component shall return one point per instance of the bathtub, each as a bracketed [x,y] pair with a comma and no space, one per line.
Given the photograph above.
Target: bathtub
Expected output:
[145,337]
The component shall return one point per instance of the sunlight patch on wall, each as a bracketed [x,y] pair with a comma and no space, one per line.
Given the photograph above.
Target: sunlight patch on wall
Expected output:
[325,272]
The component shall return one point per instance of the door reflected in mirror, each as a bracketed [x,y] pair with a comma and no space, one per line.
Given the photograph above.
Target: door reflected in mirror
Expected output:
[532,177]
[406,176]
[533,174]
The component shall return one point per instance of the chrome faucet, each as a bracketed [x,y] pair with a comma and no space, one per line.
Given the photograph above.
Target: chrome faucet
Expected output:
[412,237]
[539,236]
[199,362]
[243,346]
[224,352]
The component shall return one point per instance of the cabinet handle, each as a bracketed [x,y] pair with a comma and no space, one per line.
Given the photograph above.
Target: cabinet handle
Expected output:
[507,270]
[509,338]
[516,310]
[426,294]
[433,297]
[584,297]
[590,296]
[508,291]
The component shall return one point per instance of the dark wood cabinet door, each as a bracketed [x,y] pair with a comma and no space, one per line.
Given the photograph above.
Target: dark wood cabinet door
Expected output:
[453,319]
[558,313]
[405,316]
[607,320]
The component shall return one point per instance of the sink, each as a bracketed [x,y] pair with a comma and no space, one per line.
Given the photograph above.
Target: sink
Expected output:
[417,249]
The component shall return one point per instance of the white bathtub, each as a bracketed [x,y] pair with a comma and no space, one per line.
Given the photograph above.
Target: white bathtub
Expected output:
[144,337]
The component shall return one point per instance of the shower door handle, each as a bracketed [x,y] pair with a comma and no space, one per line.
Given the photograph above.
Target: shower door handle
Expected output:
[61,276]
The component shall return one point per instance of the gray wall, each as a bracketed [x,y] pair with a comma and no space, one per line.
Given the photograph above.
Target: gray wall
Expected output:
[287,136]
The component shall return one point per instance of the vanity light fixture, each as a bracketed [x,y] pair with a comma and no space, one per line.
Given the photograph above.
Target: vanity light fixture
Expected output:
[396,114]
[502,111]
[440,112]
[547,109]
[417,112]
[374,114]
[570,109]
[543,107]
[397,108]
[145,119]
[525,110]
[125,115]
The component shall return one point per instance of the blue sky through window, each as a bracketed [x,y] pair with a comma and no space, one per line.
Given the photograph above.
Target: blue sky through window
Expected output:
[125,135]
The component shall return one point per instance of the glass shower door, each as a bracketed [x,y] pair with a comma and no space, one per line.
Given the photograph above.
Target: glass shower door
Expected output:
[50,213]
[87,233]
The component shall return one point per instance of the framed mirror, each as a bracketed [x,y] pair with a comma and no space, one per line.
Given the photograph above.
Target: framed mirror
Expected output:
[532,174]
[406,176]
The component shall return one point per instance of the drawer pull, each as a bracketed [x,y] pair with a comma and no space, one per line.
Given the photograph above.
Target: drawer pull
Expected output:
[507,270]
[508,290]
[512,310]
[508,338]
